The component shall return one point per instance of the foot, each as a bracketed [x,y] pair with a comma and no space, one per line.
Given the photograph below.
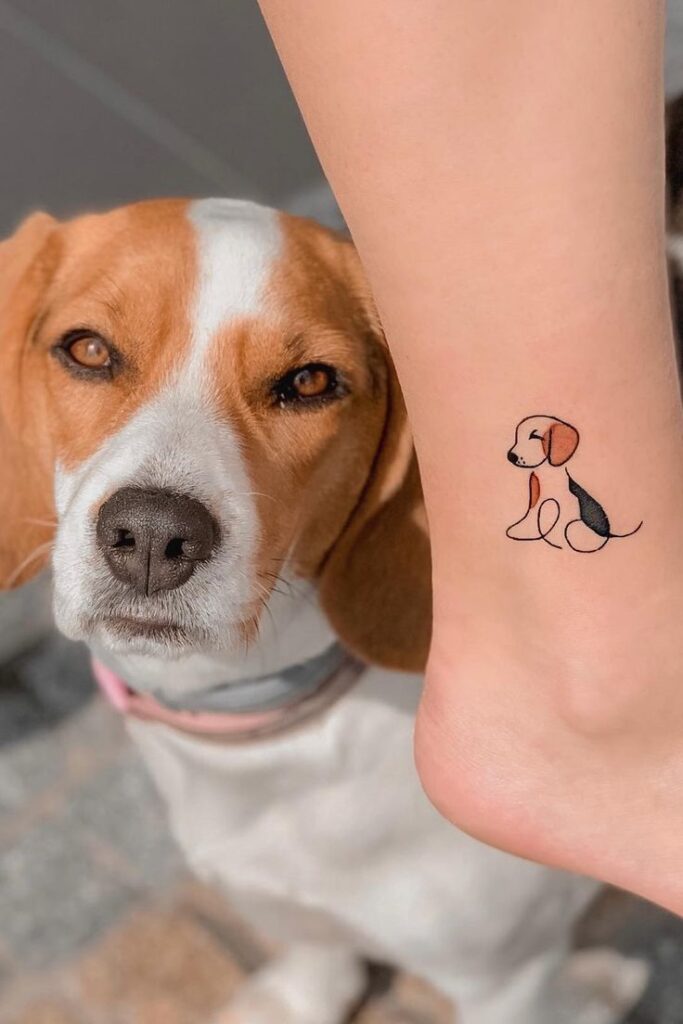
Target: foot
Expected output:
[606,985]
[307,985]
[596,986]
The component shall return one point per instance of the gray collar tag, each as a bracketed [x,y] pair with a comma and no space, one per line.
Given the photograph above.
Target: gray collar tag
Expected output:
[263,693]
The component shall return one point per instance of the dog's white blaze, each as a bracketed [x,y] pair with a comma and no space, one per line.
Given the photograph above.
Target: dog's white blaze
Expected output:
[175,442]
[238,243]
[179,441]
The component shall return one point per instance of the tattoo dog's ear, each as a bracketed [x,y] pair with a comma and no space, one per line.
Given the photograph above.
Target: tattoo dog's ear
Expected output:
[27,263]
[559,443]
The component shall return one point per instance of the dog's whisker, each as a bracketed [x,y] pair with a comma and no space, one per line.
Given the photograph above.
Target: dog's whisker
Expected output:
[273,577]
[262,494]
[269,612]
[259,494]
[260,584]
[276,575]
[52,523]
[42,549]
[273,580]
[279,560]
[293,591]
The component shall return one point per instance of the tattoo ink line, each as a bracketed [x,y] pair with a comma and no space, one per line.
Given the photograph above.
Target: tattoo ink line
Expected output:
[551,442]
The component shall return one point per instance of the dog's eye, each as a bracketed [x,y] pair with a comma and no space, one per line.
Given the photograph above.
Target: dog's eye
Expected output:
[308,385]
[86,353]
[90,352]
[535,436]
[311,382]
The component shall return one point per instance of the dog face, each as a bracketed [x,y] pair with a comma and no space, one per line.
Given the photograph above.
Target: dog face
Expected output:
[540,439]
[193,396]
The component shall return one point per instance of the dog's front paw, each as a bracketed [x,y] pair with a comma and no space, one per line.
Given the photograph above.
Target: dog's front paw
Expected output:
[307,985]
[611,984]
[254,1004]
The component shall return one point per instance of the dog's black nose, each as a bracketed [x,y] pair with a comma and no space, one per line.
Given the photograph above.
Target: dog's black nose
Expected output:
[514,459]
[154,539]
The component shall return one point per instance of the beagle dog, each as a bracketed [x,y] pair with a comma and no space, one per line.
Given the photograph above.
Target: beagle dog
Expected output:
[559,511]
[200,423]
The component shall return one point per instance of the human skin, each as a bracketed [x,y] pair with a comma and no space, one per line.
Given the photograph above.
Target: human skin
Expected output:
[501,170]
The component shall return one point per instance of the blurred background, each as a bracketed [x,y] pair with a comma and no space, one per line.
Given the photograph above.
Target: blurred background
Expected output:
[105,103]
[99,922]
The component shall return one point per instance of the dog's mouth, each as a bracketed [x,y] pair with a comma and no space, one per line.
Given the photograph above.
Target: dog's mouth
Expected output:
[131,628]
[126,633]
[165,627]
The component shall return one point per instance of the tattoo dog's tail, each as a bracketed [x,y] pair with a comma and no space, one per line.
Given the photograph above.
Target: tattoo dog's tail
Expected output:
[604,537]
[630,533]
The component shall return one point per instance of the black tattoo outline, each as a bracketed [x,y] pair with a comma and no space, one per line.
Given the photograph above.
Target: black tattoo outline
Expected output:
[558,441]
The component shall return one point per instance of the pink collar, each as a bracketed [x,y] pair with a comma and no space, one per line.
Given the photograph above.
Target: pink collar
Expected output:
[242,725]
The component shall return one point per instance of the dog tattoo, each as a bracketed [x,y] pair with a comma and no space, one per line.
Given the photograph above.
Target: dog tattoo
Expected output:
[559,510]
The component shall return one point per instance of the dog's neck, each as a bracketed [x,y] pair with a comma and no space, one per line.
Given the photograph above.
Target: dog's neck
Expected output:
[293,630]
[552,480]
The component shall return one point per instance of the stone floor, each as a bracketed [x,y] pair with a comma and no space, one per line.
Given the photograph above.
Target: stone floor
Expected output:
[100,922]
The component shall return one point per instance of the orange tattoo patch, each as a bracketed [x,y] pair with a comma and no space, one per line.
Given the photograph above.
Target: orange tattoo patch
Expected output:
[534,490]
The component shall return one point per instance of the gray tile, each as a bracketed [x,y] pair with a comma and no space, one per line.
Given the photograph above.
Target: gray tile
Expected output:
[7,976]
[121,808]
[25,616]
[53,899]
[100,841]
[95,732]
[48,765]
[40,688]
[28,769]
[53,728]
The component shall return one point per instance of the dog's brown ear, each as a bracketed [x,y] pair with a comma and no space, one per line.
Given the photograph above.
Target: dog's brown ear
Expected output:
[27,262]
[559,443]
[375,585]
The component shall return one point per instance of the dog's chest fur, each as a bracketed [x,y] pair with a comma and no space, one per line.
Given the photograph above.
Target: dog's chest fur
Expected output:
[325,833]
[553,483]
